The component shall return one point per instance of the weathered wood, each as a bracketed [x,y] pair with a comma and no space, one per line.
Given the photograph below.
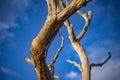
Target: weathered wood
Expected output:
[85,68]
[58,14]
[52,24]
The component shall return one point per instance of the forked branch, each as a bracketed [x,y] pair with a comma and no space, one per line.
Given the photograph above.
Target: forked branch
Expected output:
[69,9]
[100,64]
[87,22]
[86,18]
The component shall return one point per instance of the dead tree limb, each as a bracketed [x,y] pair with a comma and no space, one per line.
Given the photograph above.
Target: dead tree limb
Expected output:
[58,14]
[48,32]
[75,64]
[85,68]
[57,77]
[87,22]
[51,65]
[100,64]
[52,7]
[28,60]
[81,53]
[58,51]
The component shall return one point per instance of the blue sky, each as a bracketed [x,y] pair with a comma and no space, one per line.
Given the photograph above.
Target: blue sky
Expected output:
[21,20]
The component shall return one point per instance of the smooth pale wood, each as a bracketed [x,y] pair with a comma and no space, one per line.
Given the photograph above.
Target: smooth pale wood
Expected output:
[85,68]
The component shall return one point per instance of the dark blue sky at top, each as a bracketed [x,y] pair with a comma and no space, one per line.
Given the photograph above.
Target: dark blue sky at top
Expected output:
[21,20]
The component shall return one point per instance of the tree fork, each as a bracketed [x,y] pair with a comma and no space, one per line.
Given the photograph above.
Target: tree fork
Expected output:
[53,23]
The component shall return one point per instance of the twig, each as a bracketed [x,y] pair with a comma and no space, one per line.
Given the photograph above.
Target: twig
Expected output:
[58,51]
[75,64]
[100,64]
[57,77]
[28,60]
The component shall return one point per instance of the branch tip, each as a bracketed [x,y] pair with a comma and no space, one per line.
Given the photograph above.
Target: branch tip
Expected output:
[28,60]
[58,51]
[101,64]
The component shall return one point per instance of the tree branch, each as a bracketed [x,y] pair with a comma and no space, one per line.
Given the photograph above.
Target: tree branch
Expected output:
[80,51]
[75,64]
[87,22]
[57,77]
[62,6]
[67,3]
[70,9]
[28,60]
[100,64]
[58,51]
[46,35]
[52,7]
[51,65]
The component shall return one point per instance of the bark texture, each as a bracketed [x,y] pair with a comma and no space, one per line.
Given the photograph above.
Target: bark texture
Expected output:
[58,14]
[51,26]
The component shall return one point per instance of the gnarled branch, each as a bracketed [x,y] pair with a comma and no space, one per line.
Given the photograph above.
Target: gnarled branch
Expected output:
[48,32]
[100,64]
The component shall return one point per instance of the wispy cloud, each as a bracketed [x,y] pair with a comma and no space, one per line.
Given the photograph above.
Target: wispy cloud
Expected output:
[3,30]
[5,34]
[71,75]
[10,12]
[9,71]
[109,71]
[5,26]
[98,53]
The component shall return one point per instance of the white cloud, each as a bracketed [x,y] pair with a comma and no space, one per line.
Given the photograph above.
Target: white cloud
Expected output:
[9,71]
[71,75]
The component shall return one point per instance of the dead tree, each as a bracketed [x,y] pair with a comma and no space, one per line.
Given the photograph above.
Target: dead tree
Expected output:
[58,14]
